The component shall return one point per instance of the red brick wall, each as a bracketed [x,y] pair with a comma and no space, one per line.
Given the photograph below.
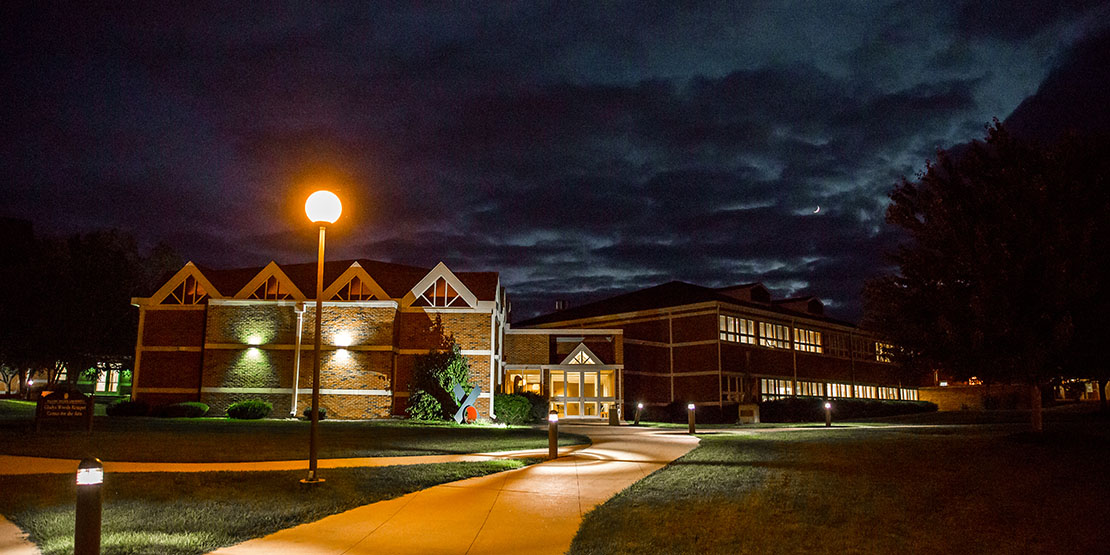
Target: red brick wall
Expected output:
[270,323]
[652,330]
[168,369]
[695,358]
[430,330]
[526,349]
[646,358]
[692,389]
[173,327]
[703,327]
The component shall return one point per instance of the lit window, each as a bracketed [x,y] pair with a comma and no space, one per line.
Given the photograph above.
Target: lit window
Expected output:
[811,389]
[771,388]
[189,292]
[439,294]
[272,290]
[739,330]
[807,340]
[582,358]
[838,390]
[774,335]
[355,290]
[866,392]
[883,351]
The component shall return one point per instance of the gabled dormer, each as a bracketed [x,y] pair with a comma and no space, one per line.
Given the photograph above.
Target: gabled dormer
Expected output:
[187,287]
[355,284]
[271,284]
[752,292]
[440,288]
[581,355]
[810,305]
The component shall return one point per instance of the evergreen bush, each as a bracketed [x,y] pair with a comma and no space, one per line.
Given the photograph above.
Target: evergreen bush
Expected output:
[322,413]
[540,406]
[424,406]
[251,409]
[434,377]
[183,410]
[123,407]
[512,409]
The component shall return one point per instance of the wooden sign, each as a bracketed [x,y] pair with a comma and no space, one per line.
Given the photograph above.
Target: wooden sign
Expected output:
[65,407]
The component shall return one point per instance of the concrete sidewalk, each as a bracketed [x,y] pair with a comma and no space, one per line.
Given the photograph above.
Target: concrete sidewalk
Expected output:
[536,509]
[14,465]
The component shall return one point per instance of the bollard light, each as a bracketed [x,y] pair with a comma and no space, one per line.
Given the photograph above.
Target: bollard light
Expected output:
[639,408]
[86,537]
[553,435]
[690,414]
[828,415]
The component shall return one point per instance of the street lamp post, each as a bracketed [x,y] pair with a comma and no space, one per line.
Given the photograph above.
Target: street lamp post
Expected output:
[322,207]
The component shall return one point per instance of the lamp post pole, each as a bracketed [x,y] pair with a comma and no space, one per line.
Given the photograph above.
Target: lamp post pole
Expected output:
[313,434]
[322,207]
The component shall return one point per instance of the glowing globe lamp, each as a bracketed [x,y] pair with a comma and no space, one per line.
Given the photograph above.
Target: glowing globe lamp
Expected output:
[323,207]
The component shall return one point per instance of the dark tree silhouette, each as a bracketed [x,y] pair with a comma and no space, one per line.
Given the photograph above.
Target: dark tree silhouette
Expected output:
[70,302]
[1002,274]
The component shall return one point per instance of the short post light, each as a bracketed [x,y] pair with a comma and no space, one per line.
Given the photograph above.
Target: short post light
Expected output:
[828,414]
[690,415]
[323,208]
[553,435]
[639,409]
[86,537]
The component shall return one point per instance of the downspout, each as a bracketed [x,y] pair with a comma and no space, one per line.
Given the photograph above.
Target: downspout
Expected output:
[299,309]
[492,368]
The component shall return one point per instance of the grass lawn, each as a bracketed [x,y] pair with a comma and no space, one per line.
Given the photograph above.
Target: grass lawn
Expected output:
[171,513]
[147,439]
[928,490]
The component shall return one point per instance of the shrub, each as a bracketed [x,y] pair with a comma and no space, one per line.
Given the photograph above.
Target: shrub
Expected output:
[423,406]
[435,375]
[322,413]
[251,409]
[812,409]
[512,409]
[540,406]
[183,410]
[124,407]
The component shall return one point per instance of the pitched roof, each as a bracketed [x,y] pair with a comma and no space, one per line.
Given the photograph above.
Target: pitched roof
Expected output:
[667,295]
[395,279]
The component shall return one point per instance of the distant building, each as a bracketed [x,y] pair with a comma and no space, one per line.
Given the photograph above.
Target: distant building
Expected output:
[684,343]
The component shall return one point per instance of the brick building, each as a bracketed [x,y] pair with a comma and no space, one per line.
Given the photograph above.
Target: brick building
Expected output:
[219,336]
[716,347]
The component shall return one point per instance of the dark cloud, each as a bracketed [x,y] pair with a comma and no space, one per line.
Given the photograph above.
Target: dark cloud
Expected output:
[580,152]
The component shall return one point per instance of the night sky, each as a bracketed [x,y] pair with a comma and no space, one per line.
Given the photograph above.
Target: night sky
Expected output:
[579,151]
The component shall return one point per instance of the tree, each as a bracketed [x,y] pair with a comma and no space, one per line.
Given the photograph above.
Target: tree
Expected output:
[434,377]
[1000,275]
[70,304]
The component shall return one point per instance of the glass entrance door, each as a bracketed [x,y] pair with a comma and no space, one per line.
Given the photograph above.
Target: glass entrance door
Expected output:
[582,393]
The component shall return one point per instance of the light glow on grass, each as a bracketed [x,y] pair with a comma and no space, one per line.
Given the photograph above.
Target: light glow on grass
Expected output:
[179,513]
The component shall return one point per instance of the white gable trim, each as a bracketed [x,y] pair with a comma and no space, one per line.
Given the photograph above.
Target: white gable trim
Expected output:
[356,270]
[439,271]
[189,269]
[271,269]
[581,348]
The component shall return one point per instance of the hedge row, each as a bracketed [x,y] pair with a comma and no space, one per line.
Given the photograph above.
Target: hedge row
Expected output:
[812,409]
[793,409]
[247,410]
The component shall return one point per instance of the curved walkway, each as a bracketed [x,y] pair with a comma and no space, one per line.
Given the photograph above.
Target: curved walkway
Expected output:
[536,509]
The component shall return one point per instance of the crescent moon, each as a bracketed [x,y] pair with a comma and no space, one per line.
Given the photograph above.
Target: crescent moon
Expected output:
[818,209]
